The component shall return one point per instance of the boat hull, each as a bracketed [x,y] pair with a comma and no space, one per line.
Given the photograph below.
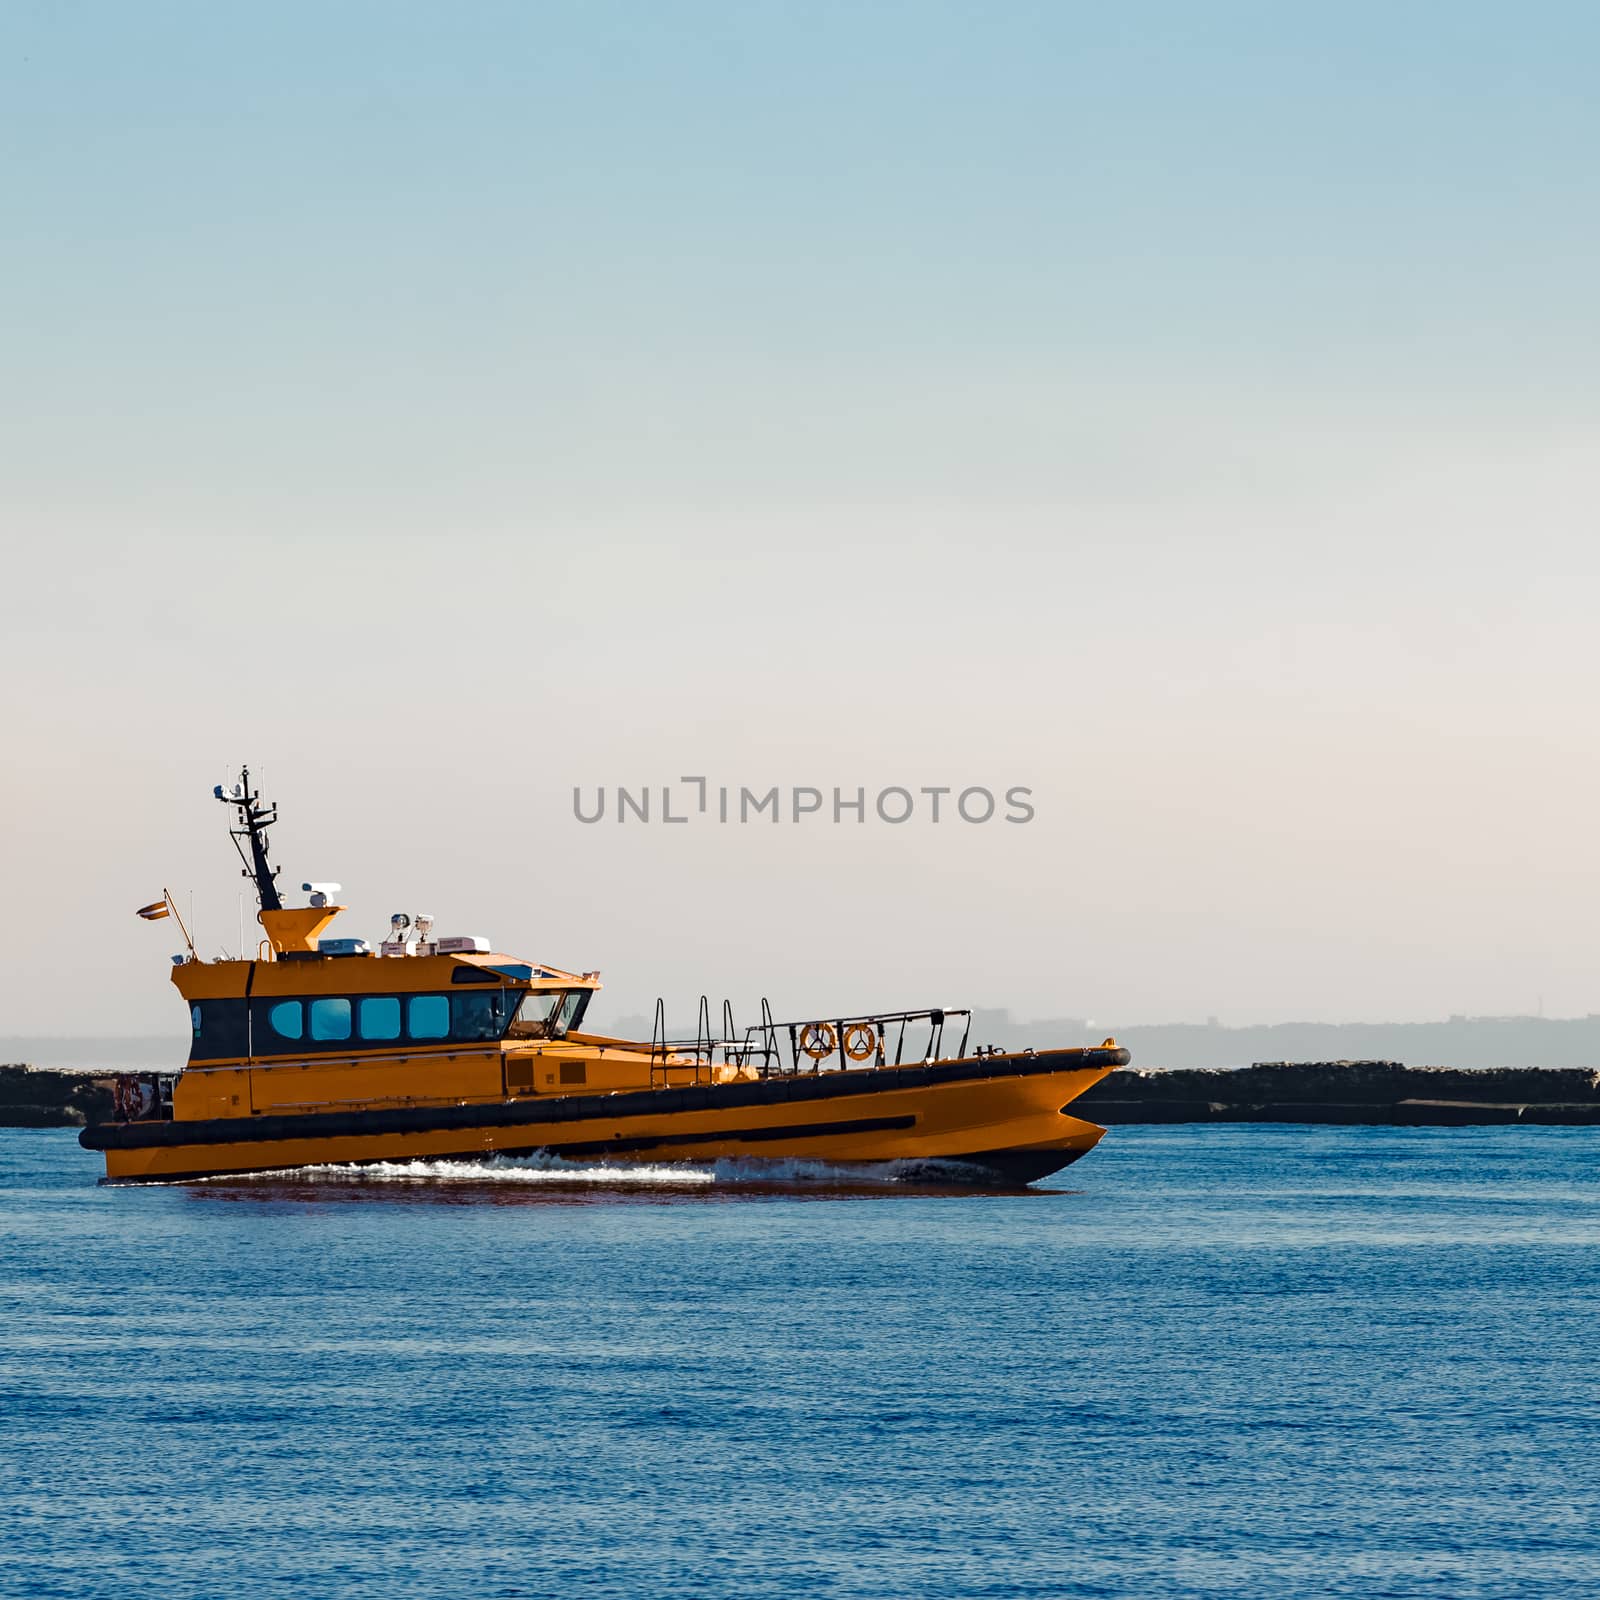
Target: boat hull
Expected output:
[1000,1118]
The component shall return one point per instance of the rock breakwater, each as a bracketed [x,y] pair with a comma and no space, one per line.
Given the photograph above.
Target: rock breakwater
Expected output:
[32,1097]
[1383,1092]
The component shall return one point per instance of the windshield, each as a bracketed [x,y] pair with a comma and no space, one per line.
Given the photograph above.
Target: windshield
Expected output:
[534,1016]
[572,1009]
[548,1013]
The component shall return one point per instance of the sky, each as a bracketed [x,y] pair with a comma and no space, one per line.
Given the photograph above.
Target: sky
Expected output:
[1185,413]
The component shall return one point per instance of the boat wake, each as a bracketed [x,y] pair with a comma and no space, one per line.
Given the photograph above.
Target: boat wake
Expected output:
[513,1169]
[554,1172]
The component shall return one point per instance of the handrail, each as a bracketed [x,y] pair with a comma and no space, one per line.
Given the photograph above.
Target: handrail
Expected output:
[880,1022]
[658,1040]
[702,1036]
[769,1036]
[851,1041]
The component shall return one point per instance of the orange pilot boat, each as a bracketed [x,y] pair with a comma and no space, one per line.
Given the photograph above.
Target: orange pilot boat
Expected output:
[323,1050]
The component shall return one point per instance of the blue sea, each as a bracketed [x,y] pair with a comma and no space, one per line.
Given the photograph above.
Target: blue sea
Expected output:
[1231,1361]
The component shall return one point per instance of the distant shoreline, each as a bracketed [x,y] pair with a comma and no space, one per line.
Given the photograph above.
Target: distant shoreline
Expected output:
[1456,1042]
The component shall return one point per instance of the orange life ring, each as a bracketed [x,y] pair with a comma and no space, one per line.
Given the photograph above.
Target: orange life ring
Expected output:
[818,1040]
[860,1040]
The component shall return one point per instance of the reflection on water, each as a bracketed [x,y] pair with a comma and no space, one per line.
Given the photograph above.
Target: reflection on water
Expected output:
[550,1180]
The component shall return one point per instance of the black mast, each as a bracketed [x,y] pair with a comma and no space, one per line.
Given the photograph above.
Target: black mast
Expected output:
[255,817]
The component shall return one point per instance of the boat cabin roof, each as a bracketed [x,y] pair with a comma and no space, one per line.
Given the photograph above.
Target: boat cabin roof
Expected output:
[311,973]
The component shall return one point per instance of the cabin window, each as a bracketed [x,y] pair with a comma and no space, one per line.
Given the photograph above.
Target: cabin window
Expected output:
[286,1019]
[330,1019]
[379,1017]
[428,1016]
[221,1031]
[532,1020]
[549,1013]
[571,1010]
[480,1014]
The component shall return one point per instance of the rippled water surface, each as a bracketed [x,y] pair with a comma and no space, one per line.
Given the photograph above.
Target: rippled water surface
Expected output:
[1252,1361]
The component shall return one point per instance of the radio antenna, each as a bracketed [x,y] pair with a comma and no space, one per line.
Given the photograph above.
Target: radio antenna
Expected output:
[255,817]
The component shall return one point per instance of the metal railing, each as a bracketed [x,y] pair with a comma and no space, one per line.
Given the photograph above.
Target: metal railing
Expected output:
[143,1096]
[861,1042]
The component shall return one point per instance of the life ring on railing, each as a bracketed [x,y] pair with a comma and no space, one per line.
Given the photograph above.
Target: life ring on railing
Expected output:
[818,1040]
[860,1040]
[125,1098]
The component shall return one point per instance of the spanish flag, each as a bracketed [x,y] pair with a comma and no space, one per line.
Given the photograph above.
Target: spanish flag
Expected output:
[155,911]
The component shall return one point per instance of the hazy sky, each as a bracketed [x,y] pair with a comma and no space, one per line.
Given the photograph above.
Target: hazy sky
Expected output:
[1188,412]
